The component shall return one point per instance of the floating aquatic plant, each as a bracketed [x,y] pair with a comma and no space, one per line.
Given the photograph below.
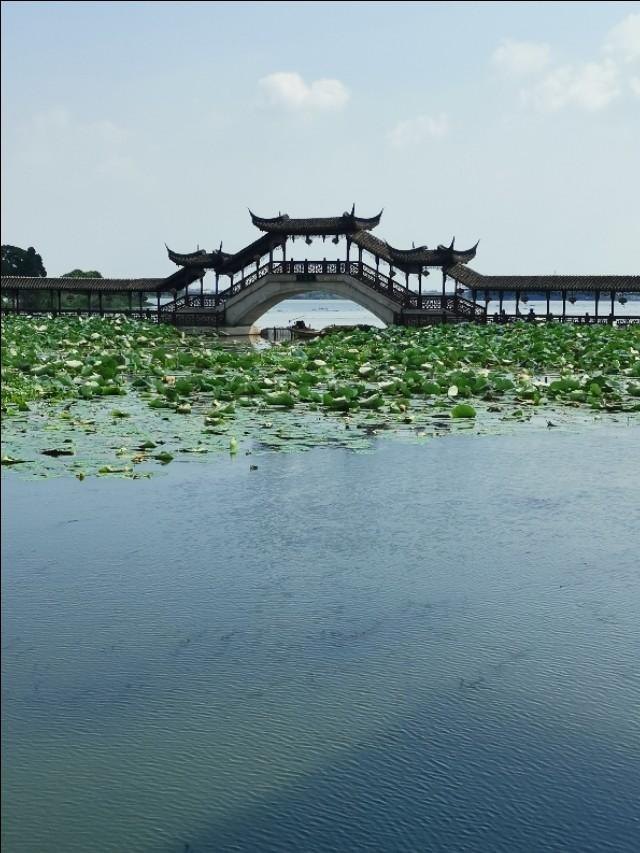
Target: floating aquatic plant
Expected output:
[59,373]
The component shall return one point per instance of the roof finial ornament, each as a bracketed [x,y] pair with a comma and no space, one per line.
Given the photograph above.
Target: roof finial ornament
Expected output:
[220,249]
[353,209]
[452,243]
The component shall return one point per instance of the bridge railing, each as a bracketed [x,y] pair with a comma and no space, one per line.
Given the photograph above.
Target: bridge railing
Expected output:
[368,275]
[193,300]
[576,319]
[448,303]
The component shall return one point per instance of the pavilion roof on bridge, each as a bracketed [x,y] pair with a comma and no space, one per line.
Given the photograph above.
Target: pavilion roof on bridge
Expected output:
[348,223]
[252,253]
[280,228]
[413,260]
[225,263]
[200,259]
[443,256]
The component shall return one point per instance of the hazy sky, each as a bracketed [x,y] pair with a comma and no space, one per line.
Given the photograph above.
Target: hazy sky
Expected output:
[128,125]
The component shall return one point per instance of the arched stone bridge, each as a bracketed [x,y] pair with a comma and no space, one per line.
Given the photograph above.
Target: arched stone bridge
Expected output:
[265,281]
[244,302]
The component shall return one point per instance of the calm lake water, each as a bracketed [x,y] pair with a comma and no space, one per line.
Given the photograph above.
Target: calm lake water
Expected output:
[421,648]
[318,313]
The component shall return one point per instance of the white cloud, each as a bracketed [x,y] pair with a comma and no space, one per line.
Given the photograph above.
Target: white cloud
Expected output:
[414,131]
[521,57]
[634,82]
[288,89]
[623,41]
[590,87]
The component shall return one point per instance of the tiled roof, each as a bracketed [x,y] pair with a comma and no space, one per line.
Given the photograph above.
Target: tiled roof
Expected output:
[254,251]
[348,223]
[444,256]
[556,283]
[176,281]
[412,260]
[200,259]
[372,244]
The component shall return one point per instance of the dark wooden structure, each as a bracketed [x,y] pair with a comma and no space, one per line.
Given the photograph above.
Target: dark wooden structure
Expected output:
[396,275]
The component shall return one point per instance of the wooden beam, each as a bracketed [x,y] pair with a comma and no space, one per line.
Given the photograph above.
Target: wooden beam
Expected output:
[442,301]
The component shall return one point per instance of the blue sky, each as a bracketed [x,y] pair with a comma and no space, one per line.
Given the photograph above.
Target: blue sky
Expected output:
[128,125]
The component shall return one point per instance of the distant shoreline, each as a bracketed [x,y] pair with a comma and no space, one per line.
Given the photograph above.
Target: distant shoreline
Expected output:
[317,294]
[534,296]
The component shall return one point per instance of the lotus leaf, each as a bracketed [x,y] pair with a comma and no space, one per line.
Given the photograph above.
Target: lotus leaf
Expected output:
[463,410]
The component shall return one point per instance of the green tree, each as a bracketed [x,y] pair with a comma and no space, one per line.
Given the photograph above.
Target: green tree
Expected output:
[27,263]
[83,274]
[110,301]
[16,261]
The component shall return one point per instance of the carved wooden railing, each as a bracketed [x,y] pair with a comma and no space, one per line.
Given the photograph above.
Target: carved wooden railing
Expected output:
[576,319]
[193,300]
[448,303]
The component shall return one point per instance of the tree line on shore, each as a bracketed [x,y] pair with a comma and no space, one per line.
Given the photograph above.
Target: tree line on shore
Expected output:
[28,263]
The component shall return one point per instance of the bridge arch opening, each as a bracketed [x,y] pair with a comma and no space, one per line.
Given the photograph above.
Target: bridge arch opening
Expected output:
[317,309]
[277,301]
